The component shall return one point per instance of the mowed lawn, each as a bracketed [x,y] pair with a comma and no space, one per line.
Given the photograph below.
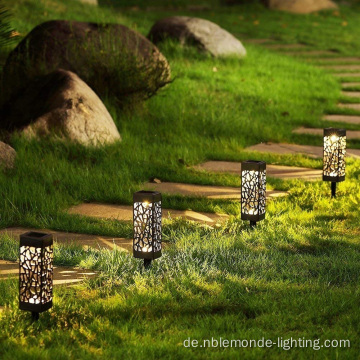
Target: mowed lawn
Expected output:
[296,275]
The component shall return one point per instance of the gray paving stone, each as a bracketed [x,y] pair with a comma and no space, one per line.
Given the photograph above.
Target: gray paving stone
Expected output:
[285,46]
[315,152]
[311,53]
[276,171]
[347,75]
[125,213]
[210,192]
[63,275]
[341,67]
[352,94]
[338,60]
[257,41]
[350,84]
[351,135]
[349,119]
[350,106]
[85,240]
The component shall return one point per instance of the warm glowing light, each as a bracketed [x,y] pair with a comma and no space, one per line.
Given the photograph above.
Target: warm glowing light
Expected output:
[147,225]
[253,190]
[334,155]
[36,271]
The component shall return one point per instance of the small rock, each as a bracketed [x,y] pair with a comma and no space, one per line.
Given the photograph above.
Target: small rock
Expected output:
[7,156]
[155,181]
[206,35]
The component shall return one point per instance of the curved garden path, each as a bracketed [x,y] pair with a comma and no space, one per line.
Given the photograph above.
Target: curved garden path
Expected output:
[341,67]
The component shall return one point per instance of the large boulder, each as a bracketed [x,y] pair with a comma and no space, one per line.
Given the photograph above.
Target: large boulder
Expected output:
[204,34]
[301,6]
[7,156]
[112,59]
[60,104]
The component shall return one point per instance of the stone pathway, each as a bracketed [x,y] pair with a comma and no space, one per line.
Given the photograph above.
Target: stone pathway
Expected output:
[338,60]
[349,119]
[350,106]
[345,85]
[351,135]
[125,213]
[311,53]
[315,152]
[85,240]
[285,46]
[341,67]
[63,275]
[352,94]
[347,75]
[209,192]
[275,171]
[257,41]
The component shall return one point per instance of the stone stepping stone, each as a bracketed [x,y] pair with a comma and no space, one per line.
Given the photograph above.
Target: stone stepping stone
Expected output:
[311,53]
[210,192]
[349,119]
[352,94]
[338,59]
[350,84]
[341,67]
[85,240]
[285,46]
[351,135]
[315,152]
[275,171]
[125,213]
[63,275]
[347,75]
[350,106]
[257,41]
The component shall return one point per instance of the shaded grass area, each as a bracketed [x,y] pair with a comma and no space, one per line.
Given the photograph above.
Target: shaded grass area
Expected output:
[296,275]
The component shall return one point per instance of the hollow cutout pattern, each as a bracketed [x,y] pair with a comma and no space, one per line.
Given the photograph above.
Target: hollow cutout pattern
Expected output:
[36,274]
[334,155]
[147,227]
[253,192]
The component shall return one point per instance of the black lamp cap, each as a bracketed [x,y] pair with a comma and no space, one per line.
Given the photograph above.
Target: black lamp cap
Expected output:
[253,165]
[144,195]
[36,239]
[333,131]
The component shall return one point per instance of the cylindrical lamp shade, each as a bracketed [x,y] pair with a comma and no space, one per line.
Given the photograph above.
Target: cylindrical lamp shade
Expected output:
[147,225]
[253,190]
[334,155]
[36,272]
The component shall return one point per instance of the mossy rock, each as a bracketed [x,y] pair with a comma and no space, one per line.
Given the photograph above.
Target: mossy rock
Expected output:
[112,59]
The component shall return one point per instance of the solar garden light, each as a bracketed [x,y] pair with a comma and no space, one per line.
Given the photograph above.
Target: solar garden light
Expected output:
[36,272]
[253,191]
[147,226]
[334,157]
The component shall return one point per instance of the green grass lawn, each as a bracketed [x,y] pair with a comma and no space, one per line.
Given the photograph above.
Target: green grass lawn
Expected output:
[296,275]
